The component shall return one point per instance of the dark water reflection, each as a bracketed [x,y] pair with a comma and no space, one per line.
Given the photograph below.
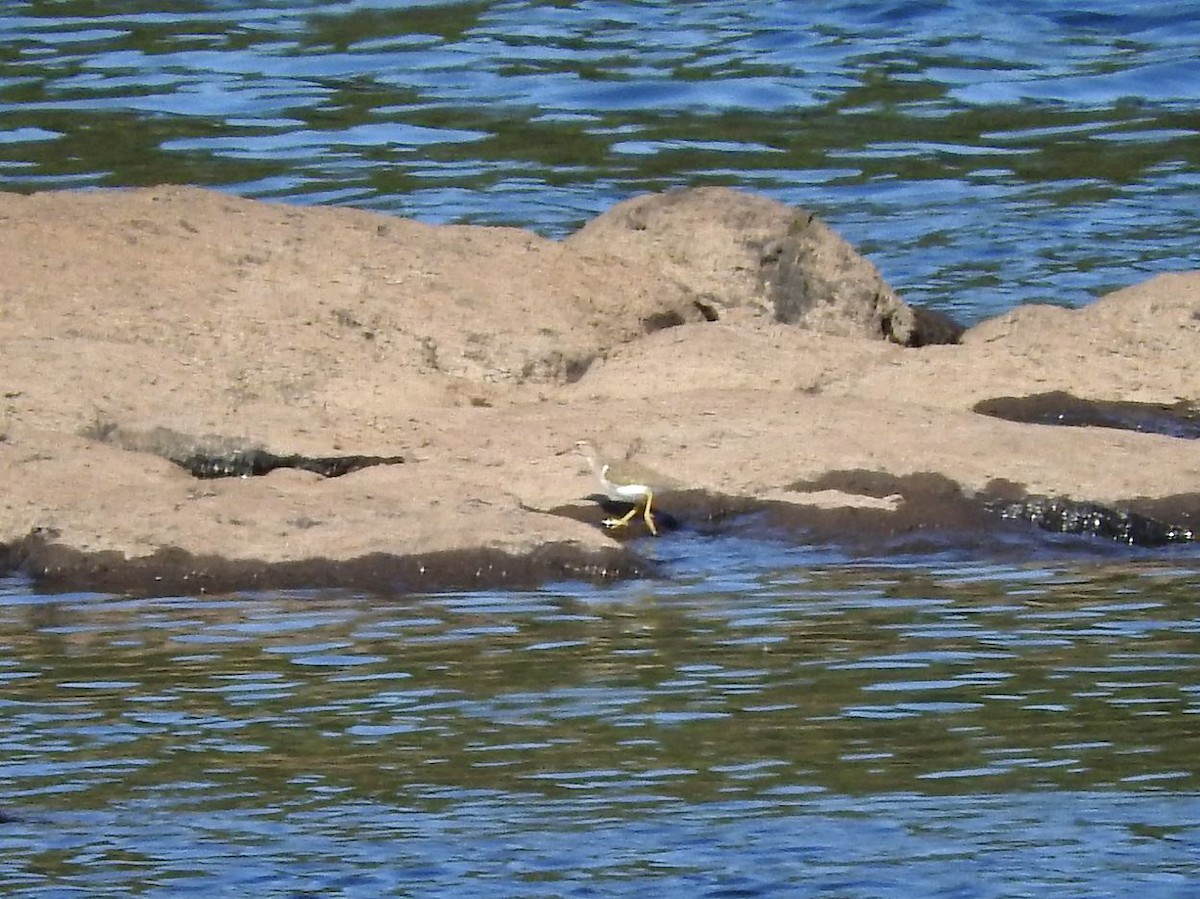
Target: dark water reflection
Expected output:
[985,729]
[982,154]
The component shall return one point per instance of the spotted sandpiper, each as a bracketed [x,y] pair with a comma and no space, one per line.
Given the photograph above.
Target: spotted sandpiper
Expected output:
[625,482]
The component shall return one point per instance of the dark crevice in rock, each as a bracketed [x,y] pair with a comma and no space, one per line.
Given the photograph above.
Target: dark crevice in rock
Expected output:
[577,368]
[1181,419]
[213,456]
[255,462]
[658,321]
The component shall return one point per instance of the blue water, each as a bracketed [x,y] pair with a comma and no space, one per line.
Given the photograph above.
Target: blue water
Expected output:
[768,721]
[962,728]
[983,155]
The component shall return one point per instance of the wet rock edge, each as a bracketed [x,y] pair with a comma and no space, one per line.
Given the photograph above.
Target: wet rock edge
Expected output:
[931,514]
[55,568]
[936,508]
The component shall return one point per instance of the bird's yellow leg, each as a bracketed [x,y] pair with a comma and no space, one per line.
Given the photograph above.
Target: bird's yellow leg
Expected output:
[646,514]
[622,521]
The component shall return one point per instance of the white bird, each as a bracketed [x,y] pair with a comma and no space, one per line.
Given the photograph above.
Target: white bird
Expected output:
[625,482]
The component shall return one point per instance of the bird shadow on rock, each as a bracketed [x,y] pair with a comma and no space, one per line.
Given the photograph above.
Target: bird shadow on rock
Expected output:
[696,511]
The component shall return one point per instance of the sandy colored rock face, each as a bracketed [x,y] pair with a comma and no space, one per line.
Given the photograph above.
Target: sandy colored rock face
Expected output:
[740,253]
[479,356]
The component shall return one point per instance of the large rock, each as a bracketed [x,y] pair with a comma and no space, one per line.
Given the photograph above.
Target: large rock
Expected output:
[398,401]
[736,252]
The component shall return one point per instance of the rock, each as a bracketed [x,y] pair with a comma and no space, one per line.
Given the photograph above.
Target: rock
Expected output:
[734,251]
[148,336]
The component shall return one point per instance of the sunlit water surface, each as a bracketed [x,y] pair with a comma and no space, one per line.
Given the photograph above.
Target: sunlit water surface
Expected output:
[983,154]
[825,727]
